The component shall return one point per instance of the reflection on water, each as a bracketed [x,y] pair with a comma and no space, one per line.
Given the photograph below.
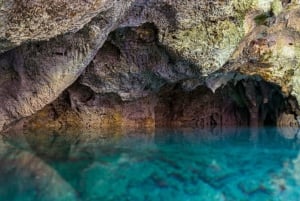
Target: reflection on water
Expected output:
[228,165]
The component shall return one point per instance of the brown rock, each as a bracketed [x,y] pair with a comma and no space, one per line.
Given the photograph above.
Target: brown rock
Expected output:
[38,20]
[35,74]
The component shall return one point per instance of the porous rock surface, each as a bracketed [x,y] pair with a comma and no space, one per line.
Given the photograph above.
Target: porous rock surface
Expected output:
[35,20]
[35,74]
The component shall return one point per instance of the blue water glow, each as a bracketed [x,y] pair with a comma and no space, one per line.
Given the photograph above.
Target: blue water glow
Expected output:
[164,165]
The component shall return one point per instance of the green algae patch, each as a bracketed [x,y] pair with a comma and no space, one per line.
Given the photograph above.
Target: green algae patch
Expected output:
[211,41]
[295,77]
[244,5]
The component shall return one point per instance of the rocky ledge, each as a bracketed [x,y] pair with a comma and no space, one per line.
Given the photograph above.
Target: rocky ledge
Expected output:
[149,63]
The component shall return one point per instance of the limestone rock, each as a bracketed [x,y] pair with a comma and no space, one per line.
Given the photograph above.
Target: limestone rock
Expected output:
[272,51]
[133,65]
[35,74]
[245,101]
[35,20]
[203,33]
[160,57]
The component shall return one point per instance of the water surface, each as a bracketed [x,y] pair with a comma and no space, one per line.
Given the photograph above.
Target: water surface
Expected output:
[176,165]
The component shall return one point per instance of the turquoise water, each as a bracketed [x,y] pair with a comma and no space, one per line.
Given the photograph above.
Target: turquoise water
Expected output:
[195,165]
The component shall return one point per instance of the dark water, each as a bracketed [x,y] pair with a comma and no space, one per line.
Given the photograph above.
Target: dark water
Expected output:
[198,165]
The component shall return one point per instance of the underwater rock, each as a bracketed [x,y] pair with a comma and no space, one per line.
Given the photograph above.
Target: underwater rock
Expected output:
[20,166]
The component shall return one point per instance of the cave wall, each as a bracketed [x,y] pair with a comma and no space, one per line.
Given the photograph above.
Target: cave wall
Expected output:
[149,63]
[35,74]
[247,102]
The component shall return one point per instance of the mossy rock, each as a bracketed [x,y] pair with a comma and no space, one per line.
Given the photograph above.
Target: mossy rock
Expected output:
[211,40]
[209,44]
[276,7]
[244,5]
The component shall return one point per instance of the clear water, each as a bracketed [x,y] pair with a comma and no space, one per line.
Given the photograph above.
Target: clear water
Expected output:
[198,165]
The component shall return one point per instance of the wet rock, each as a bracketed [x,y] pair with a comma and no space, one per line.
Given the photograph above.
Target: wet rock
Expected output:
[287,120]
[244,101]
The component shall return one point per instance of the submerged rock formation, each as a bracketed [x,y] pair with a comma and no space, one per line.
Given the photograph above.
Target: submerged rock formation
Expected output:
[161,63]
[20,166]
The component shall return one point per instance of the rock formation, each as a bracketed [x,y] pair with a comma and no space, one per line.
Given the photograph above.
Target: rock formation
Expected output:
[20,166]
[23,20]
[149,63]
[35,74]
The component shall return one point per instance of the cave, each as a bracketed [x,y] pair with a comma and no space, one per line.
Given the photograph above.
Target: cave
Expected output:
[136,81]
[149,100]
[246,103]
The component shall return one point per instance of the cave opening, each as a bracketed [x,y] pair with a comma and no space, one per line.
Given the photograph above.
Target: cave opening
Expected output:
[249,102]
